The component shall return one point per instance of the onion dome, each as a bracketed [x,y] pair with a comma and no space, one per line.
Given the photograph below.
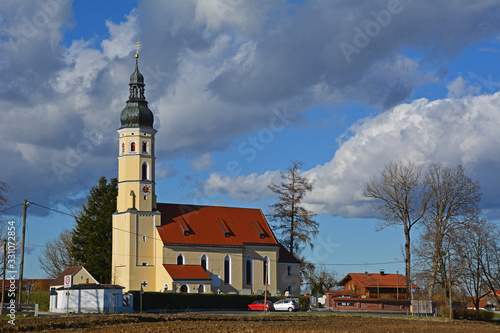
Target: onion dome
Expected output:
[136,113]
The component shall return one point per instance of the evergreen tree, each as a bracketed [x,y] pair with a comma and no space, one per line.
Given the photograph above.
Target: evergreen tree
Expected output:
[294,222]
[92,234]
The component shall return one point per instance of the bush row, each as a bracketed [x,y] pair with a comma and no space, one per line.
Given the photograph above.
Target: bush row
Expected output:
[175,301]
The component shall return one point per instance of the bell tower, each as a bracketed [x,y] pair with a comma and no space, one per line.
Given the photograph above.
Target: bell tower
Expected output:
[136,158]
[135,239]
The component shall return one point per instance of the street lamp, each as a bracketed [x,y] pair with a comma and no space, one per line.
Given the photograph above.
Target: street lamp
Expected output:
[144,284]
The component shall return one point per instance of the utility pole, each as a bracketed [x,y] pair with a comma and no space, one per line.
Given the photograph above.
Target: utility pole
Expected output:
[3,280]
[22,252]
[265,282]
[451,299]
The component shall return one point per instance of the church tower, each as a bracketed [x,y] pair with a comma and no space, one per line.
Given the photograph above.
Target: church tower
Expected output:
[134,224]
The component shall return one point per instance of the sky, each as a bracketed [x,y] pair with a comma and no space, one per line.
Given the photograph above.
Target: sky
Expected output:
[239,90]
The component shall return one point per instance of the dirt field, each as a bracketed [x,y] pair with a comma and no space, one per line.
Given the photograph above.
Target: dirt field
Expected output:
[242,323]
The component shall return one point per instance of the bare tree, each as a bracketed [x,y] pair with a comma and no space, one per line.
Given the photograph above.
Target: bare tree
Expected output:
[472,243]
[453,204]
[295,223]
[322,280]
[3,234]
[398,193]
[56,256]
[491,262]
[3,193]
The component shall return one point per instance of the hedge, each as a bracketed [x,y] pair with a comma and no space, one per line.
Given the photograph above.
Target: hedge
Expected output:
[176,301]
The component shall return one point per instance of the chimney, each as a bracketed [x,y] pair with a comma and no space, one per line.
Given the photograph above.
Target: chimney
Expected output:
[382,272]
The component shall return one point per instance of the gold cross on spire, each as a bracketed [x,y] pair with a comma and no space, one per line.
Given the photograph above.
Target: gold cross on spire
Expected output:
[137,47]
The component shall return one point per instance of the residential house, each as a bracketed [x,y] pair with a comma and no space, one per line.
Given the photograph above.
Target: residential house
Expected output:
[79,275]
[370,285]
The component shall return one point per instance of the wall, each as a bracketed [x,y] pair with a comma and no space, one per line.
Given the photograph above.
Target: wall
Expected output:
[192,256]
[367,304]
[86,301]
[284,280]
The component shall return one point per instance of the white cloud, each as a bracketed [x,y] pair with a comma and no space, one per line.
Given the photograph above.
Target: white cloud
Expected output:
[460,88]
[203,162]
[213,74]
[122,36]
[250,188]
[452,131]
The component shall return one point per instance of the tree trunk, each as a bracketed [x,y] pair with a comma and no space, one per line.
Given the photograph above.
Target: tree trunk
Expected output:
[408,262]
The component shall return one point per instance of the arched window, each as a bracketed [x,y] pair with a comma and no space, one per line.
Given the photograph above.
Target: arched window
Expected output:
[180,259]
[204,262]
[145,171]
[289,289]
[145,147]
[123,147]
[227,269]
[289,270]
[201,289]
[184,288]
[249,270]
[265,270]
[165,287]
[132,147]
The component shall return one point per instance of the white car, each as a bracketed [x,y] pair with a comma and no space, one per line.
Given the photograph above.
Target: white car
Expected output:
[286,305]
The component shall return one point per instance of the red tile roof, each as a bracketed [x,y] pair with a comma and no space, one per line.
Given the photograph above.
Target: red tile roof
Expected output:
[369,280]
[482,305]
[58,281]
[187,272]
[286,256]
[213,225]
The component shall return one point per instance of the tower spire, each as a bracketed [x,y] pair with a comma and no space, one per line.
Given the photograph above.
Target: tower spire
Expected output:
[137,47]
[137,113]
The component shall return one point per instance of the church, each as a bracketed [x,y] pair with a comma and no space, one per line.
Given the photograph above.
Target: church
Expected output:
[168,247]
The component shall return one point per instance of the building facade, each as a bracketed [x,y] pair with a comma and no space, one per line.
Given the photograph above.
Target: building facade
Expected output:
[186,248]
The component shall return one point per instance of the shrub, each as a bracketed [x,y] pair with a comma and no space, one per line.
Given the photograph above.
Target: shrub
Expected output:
[163,301]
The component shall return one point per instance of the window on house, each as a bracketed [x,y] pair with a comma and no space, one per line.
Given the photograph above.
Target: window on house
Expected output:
[180,259]
[289,271]
[201,289]
[204,262]
[123,147]
[144,238]
[248,271]
[145,171]
[144,146]
[132,147]
[227,269]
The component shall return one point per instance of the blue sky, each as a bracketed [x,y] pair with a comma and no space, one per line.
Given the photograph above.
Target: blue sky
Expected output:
[240,89]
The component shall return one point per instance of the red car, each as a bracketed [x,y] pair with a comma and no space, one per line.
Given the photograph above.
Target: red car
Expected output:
[259,306]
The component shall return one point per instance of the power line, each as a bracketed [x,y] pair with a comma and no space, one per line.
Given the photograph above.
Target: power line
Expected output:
[215,251]
[52,209]
[6,209]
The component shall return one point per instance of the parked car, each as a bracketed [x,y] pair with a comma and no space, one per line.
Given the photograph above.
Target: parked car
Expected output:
[286,305]
[259,306]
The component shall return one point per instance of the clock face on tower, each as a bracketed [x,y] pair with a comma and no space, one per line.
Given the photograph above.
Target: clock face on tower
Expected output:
[145,189]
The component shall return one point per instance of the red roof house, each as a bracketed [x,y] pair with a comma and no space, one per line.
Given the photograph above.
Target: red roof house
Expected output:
[371,285]
[79,276]
[212,248]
